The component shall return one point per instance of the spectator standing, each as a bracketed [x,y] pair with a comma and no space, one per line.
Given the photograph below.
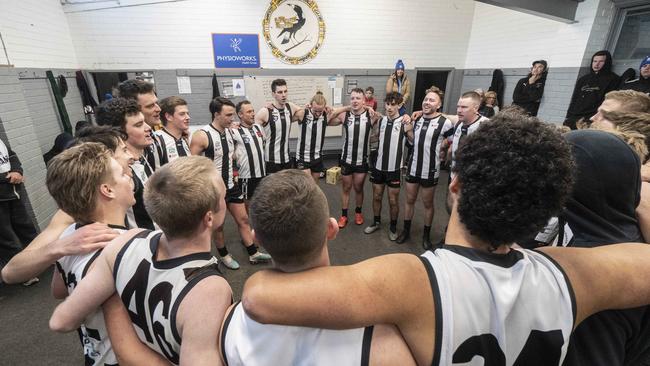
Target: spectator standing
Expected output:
[369,98]
[398,82]
[529,90]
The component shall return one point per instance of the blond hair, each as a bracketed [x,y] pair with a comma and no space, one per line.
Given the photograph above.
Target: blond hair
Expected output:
[179,194]
[434,89]
[74,177]
[492,94]
[634,123]
[319,99]
[631,100]
[635,140]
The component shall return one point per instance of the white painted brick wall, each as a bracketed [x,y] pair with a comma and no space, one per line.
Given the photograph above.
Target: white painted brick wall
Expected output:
[503,38]
[36,34]
[360,34]
[19,132]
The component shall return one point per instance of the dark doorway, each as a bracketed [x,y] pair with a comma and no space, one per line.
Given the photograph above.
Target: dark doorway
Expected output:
[107,81]
[426,79]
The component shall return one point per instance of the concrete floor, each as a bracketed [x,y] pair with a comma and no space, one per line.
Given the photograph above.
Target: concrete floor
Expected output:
[24,311]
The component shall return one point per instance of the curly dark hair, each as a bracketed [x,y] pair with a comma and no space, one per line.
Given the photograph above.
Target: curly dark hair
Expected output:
[130,89]
[515,173]
[114,112]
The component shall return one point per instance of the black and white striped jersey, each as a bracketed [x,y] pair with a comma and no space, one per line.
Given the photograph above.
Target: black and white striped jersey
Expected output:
[170,147]
[508,297]
[249,151]
[153,154]
[428,134]
[311,138]
[221,149]
[92,333]
[463,130]
[246,342]
[356,131]
[137,215]
[391,144]
[152,290]
[276,132]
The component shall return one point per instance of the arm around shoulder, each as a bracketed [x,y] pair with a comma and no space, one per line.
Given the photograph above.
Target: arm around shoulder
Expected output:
[321,297]
[262,117]
[605,277]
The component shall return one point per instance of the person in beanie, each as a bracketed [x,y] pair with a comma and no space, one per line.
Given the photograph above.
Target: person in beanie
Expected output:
[590,89]
[642,84]
[399,83]
[529,90]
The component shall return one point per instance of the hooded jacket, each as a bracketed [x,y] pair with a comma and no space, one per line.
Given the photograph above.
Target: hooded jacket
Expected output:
[529,96]
[601,211]
[590,91]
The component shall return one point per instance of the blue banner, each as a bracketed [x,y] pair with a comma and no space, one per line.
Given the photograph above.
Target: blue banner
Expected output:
[236,50]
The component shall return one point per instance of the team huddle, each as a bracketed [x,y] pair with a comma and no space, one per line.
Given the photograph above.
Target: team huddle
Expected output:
[154,294]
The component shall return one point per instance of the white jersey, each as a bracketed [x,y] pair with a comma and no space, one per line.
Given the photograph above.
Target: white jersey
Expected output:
[152,290]
[391,144]
[463,130]
[311,138]
[220,150]
[493,309]
[276,131]
[5,163]
[249,151]
[92,333]
[170,147]
[247,342]
[356,130]
[428,134]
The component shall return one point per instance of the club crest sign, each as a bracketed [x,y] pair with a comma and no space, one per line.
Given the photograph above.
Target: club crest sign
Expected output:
[294,30]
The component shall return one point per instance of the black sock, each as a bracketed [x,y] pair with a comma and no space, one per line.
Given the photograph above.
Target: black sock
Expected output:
[251,249]
[344,212]
[377,220]
[427,231]
[407,226]
[393,226]
[358,209]
[222,251]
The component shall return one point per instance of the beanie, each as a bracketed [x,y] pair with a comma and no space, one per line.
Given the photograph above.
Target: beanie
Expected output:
[399,65]
[644,62]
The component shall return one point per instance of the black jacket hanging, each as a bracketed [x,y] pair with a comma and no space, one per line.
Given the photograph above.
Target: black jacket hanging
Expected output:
[215,86]
[87,99]
[498,85]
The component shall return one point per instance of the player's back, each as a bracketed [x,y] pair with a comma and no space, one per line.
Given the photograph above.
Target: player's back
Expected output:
[496,307]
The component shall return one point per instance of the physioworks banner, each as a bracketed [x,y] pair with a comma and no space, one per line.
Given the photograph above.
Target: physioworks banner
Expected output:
[236,50]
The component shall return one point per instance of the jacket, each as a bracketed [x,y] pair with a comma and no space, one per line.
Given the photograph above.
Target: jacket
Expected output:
[528,96]
[8,163]
[641,85]
[392,86]
[590,92]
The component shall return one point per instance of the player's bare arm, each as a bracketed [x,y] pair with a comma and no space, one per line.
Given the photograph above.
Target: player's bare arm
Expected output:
[199,142]
[47,248]
[321,298]
[199,321]
[124,340]
[606,277]
[262,117]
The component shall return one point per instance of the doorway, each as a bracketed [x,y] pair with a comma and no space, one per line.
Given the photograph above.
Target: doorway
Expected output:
[424,80]
[106,82]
